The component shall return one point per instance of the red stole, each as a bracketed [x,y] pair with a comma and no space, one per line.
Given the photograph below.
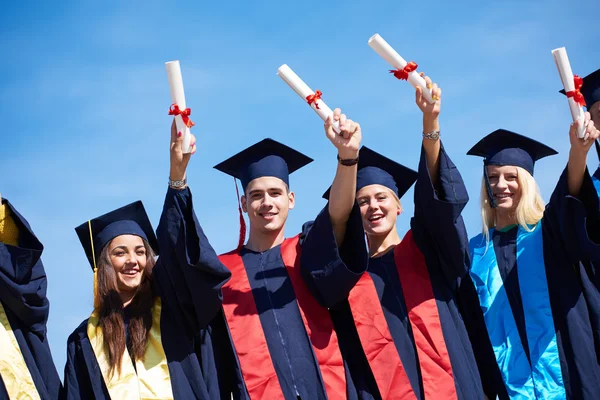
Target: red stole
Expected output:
[249,339]
[376,339]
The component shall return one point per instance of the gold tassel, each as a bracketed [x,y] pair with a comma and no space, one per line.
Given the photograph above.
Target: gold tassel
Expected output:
[96,294]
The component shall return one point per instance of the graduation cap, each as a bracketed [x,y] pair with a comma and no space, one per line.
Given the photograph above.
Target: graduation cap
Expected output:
[128,220]
[376,169]
[265,158]
[590,89]
[591,94]
[503,147]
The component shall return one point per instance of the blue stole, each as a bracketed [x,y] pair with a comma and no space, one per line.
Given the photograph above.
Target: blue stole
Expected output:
[542,378]
[596,181]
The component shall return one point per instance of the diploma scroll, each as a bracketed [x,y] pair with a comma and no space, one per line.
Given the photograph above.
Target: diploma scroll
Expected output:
[390,55]
[178,98]
[312,98]
[568,79]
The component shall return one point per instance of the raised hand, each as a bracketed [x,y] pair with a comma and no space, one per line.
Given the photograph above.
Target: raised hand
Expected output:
[178,159]
[348,140]
[430,111]
[591,133]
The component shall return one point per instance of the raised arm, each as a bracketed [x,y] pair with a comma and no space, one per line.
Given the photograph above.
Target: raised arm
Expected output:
[577,165]
[573,210]
[343,190]
[188,273]
[334,253]
[440,196]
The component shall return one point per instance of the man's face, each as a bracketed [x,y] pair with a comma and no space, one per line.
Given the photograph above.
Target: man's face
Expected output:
[267,202]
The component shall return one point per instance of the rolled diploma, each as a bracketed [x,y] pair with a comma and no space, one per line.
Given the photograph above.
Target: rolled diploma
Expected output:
[390,55]
[304,91]
[566,76]
[178,97]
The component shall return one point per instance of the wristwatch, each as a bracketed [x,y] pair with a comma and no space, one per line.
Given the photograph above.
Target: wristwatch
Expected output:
[347,162]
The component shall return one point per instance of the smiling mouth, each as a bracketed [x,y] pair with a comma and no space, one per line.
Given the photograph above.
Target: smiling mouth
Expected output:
[268,215]
[130,272]
[503,195]
[374,218]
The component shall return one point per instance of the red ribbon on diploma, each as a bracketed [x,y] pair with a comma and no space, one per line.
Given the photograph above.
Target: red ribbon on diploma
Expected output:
[312,98]
[185,114]
[576,94]
[403,73]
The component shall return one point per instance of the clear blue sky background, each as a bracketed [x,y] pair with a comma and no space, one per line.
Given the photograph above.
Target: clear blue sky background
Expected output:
[84,98]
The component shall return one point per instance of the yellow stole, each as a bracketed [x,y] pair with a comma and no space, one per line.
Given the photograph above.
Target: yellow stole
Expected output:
[15,374]
[152,380]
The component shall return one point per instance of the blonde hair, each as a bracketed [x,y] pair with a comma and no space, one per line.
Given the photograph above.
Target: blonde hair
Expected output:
[529,211]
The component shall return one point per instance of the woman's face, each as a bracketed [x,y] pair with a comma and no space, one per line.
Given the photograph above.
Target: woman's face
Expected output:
[128,258]
[505,186]
[379,209]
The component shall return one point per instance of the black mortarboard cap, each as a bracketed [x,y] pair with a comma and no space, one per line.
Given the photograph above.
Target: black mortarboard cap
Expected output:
[128,220]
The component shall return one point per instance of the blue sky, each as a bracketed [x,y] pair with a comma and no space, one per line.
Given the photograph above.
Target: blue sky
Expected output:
[84,99]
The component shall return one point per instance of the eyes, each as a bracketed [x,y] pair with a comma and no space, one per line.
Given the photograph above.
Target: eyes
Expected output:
[494,178]
[259,194]
[121,253]
[365,200]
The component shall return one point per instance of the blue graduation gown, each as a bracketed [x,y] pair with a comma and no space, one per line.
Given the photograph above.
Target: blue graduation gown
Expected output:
[571,257]
[439,233]
[23,286]
[187,277]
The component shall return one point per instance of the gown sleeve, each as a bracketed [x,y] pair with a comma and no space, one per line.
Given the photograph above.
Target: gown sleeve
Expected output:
[188,273]
[575,221]
[438,226]
[330,271]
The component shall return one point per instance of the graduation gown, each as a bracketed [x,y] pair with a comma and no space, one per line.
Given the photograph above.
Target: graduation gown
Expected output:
[438,239]
[280,333]
[23,285]
[569,256]
[187,277]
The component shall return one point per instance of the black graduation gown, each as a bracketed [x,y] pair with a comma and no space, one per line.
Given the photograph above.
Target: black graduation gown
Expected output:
[439,233]
[187,277]
[571,257]
[290,348]
[23,286]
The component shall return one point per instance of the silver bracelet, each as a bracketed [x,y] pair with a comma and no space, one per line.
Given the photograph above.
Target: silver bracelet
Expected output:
[178,184]
[433,135]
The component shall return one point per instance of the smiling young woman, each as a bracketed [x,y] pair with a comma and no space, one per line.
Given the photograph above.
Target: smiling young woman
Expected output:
[149,334]
[528,269]
[398,317]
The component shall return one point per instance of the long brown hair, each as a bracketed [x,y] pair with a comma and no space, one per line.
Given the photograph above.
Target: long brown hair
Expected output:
[110,309]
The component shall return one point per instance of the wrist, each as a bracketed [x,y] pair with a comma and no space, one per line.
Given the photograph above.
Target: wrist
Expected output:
[430,123]
[347,154]
[177,175]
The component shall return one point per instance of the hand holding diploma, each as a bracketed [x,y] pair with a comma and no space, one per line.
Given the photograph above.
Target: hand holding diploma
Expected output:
[312,98]
[178,107]
[347,141]
[404,70]
[572,84]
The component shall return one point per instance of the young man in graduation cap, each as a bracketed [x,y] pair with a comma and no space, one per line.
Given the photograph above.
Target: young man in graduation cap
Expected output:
[26,366]
[284,341]
[398,320]
[528,268]
[149,335]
